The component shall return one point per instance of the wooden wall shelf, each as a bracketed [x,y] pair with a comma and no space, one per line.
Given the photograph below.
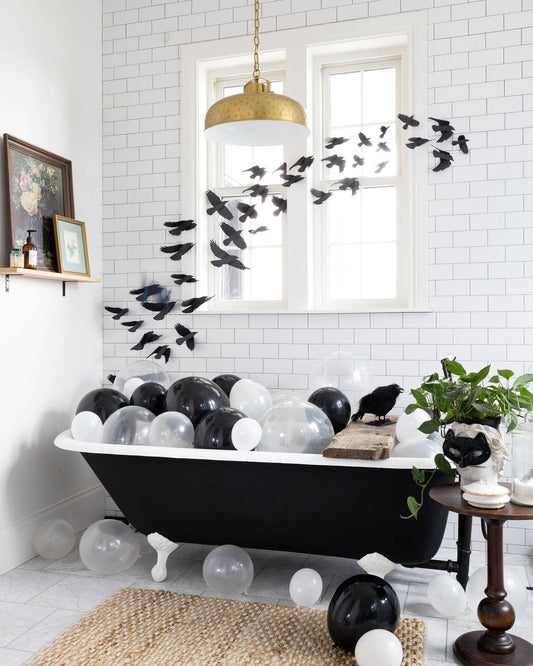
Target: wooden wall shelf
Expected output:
[44,275]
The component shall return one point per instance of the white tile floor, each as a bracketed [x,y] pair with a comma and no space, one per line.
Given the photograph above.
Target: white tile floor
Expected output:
[41,598]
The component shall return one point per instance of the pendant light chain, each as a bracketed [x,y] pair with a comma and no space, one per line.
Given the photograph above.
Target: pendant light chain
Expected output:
[256,73]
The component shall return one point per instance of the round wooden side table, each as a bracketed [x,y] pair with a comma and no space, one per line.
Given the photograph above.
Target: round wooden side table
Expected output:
[494,646]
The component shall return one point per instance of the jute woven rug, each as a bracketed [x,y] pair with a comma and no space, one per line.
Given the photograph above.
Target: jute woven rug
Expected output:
[159,628]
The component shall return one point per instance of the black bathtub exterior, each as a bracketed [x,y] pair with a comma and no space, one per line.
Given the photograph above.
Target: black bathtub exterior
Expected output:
[326,510]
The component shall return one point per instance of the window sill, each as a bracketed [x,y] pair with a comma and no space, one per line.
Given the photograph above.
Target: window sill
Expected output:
[311,312]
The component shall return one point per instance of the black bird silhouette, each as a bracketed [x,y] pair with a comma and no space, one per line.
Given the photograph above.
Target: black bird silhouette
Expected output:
[383,130]
[358,161]
[117,312]
[176,228]
[180,278]
[348,184]
[282,167]
[281,205]
[217,205]
[178,250]
[132,326]
[143,293]
[225,257]
[186,336]
[257,191]
[415,141]
[111,378]
[333,141]
[247,210]
[163,350]
[335,160]
[148,337]
[380,166]
[379,402]
[289,179]
[445,159]
[162,308]
[192,304]
[258,230]
[364,140]
[320,196]
[382,145]
[256,172]
[303,163]
[233,236]
[408,121]
[443,128]
[461,142]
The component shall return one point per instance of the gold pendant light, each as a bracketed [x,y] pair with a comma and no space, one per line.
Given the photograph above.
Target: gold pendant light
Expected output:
[257,116]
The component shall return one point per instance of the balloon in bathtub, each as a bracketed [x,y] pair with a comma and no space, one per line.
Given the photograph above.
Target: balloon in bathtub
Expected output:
[250,397]
[129,425]
[195,397]
[171,429]
[103,402]
[87,427]
[143,371]
[151,396]
[109,547]
[344,371]
[295,427]
[228,570]
[214,430]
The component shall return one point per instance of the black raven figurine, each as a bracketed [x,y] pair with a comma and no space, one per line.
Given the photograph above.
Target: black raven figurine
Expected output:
[379,403]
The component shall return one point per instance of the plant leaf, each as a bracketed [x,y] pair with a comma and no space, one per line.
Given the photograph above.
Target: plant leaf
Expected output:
[523,380]
[429,426]
[506,374]
[485,408]
[413,506]
[411,408]
[419,396]
[480,376]
[455,368]
[443,465]
[494,379]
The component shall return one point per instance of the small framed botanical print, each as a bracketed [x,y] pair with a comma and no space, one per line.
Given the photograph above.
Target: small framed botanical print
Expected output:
[71,246]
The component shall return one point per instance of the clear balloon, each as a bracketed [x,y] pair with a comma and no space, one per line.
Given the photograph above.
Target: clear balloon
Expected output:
[148,371]
[407,425]
[171,429]
[378,647]
[295,427]
[251,398]
[129,425]
[514,582]
[282,396]
[131,385]
[87,427]
[109,547]
[420,448]
[344,371]
[446,595]
[228,570]
[305,587]
[246,434]
[54,539]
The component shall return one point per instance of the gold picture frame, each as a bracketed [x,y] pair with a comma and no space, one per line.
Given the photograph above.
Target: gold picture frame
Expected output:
[71,246]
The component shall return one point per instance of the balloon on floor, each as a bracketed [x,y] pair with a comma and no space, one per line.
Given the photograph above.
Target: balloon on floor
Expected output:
[109,547]
[305,588]
[228,570]
[446,595]
[54,538]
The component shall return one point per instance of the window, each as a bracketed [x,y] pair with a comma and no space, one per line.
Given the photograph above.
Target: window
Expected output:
[361,252]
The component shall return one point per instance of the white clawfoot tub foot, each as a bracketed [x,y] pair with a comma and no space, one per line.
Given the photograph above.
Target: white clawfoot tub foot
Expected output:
[163,547]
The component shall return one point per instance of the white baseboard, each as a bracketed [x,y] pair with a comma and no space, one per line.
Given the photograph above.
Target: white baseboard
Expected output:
[81,510]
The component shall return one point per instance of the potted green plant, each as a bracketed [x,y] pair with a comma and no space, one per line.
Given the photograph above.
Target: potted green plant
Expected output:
[466,398]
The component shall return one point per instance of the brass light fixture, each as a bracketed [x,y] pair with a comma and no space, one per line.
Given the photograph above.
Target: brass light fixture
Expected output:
[257,116]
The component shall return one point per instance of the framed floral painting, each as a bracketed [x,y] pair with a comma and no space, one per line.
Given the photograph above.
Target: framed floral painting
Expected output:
[39,186]
[71,245]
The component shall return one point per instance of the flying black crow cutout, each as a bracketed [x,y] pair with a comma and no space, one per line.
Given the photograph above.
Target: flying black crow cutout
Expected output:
[443,128]
[303,163]
[256,172]
[445,159]
[148,337]
[225,258]
[333,141]
[257,191]
[348,184]
[290,179]
[358,161]
[320,196]
[177,228]
[335,160]
[258,230]
[178,250]
[217,205]
[132,326]
[382,145]
[143,293]
[192,304]
[186,336]
[162,351]
[383,130]
[364,140]
[233,236]
[281,205]
[415,141]
[282,167]
[408,121]
[180,278]
[111,378]
[117,312]
[379,167]
[461,142]
[162,309]
[248,211]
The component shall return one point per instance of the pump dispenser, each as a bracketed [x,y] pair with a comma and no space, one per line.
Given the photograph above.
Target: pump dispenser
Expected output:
[30,251]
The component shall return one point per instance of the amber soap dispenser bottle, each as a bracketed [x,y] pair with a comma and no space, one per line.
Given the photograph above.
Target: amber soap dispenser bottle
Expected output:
[30,251]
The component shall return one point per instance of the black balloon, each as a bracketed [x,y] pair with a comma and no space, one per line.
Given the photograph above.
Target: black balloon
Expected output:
[103,402]
[150,395]
[361,603]
[226,382]
[195,397]
[214,430]
[334,404]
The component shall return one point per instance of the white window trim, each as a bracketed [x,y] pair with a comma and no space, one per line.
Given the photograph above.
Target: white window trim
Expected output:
[410,28]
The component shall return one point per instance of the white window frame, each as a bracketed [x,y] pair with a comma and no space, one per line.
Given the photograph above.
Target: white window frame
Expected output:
[303,49]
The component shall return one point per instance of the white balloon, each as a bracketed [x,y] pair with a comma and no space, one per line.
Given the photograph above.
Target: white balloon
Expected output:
[305,587]
[419,448]
[54,538]
[514,582]
[246,434]
[228,570]
[446,595]
[171,429]
[87,427]
[129,425]
[130,385]
[378,647]
[109,547]
[407,425]
[251,398]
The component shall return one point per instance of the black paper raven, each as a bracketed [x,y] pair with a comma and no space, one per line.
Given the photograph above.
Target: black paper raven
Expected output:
[217,205]
[333,141]
[258,230]
[256,172]
[364,140]
[415,141]
[186,336]
[178,250]
[348,184]
[289,179]
[148,337]
[163,350]
[443,128]
[192,304]
[117,312]
[257,190]
[358,161]
[132,326]
[303,163]
[233,236]
[320,196]
[176,228]
[180,278]
[281,205]
[379,402]
[408,121]
[248,211]
[461,142]
[224,257]
[335,160]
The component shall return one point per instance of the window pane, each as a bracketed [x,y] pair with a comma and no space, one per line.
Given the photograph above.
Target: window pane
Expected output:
[344,271]
[345,92]
[379,214]
[379,95]
[378,270]
[344,218]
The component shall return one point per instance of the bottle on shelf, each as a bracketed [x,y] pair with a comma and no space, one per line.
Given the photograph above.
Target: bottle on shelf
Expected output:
[30,251]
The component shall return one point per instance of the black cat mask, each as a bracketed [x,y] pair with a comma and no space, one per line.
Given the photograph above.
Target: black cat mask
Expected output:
[465,451]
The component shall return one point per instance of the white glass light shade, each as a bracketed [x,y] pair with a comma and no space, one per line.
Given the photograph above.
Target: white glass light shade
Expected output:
[257,132]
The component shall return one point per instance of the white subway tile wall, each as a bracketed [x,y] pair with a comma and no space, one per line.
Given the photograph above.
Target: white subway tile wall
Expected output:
[481,212]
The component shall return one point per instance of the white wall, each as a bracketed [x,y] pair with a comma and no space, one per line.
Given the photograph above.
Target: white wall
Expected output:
[480,63]
[50,346]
